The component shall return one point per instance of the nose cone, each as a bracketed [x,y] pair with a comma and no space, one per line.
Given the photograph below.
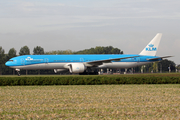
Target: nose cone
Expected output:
[7,63]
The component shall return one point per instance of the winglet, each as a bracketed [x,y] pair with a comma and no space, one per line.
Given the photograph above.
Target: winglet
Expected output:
[152,47]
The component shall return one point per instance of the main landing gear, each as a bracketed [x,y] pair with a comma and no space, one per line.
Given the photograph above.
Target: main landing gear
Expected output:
[89,73]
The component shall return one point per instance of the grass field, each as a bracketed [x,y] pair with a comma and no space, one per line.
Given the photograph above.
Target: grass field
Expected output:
[90,102]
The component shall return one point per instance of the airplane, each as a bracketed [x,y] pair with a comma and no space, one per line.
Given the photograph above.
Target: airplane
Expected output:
[82,63]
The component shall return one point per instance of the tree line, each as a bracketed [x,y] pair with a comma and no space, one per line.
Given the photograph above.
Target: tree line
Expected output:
[163,65]
[38,50]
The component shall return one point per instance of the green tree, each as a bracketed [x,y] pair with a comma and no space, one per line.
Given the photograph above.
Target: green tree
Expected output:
[11,53]
[67,52]
[38,50]
[24,51]
[155,67]
[2,59]
[100,50]
[165,64]
[178,67]
[1,53]
[59,52]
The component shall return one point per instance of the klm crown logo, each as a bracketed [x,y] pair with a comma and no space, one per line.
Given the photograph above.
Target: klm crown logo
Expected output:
[29,58]
[151,48]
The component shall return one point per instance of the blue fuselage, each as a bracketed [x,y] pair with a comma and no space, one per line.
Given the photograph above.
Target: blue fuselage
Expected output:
[60,61]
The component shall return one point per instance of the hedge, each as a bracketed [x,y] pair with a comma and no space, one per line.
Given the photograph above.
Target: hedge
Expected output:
[95,80]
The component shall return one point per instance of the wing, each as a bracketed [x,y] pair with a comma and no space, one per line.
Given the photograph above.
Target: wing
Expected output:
[100,62]
[159,58]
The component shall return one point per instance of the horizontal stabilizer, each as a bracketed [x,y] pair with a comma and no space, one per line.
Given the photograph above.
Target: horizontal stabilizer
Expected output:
[159,58]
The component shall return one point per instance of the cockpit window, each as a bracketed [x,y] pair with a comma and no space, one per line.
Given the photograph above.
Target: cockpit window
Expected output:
[11,60]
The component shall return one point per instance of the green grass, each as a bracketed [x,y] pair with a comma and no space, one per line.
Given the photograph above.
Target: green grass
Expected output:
[90,102]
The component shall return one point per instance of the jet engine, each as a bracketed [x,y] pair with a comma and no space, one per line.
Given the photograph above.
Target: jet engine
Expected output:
[77,67]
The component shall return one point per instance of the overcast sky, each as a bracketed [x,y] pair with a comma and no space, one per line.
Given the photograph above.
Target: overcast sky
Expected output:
[81,24]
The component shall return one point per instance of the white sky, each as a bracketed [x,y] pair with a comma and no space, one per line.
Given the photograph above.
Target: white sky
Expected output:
[81,24]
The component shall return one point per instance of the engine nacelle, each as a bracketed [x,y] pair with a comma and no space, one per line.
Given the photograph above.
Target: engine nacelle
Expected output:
[59,70]
[77,68]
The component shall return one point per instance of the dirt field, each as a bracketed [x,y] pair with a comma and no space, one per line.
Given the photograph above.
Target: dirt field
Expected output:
[90,102]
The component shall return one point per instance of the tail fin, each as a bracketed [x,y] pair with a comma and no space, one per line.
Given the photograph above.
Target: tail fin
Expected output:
[152,47]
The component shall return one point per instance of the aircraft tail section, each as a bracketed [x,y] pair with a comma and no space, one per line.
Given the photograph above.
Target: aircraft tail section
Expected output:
[152,47]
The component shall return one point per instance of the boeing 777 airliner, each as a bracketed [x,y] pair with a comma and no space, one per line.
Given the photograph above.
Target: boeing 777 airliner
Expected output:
[80,63]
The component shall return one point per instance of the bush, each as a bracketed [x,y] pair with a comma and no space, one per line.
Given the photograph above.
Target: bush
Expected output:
[88,80]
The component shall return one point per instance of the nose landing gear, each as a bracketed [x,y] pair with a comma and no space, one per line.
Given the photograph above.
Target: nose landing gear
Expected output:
[18,72]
